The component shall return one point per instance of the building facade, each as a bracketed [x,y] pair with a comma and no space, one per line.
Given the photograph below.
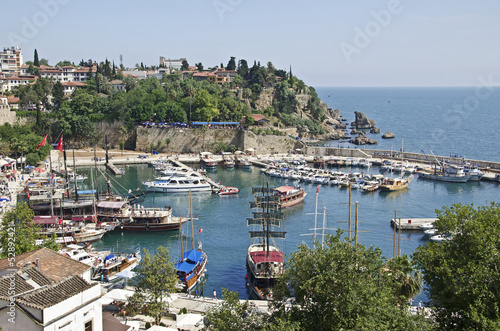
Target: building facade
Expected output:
[11,60]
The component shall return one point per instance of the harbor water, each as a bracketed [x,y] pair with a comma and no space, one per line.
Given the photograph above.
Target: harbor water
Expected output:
[424,118]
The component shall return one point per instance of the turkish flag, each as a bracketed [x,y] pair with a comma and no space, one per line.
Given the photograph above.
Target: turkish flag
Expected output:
[42,143]
[200,230]
[59,145]
[317,190]
[60,221]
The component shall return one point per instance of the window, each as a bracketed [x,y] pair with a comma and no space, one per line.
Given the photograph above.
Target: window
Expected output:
[88,326]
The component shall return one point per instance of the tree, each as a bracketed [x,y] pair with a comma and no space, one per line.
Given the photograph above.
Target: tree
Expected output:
[184,65]
[232,314]
[243,68]
[44,62]
[64,63]
[340,286]
[199,66]
[36,62]
[57,95]
[19,233]
[231,65]
[407,281]
[155,281]
[463,274]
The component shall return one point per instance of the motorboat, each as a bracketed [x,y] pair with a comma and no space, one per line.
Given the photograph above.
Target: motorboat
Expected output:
[178,184]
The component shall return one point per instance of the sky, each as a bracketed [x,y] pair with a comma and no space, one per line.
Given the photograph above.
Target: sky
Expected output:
[325,42]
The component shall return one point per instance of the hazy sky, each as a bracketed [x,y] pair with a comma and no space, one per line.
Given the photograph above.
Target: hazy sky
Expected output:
[327,43]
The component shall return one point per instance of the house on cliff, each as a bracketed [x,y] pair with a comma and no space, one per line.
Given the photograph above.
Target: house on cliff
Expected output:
[260,120]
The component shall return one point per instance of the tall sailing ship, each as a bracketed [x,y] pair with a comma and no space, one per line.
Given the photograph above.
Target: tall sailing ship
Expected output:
[265,260]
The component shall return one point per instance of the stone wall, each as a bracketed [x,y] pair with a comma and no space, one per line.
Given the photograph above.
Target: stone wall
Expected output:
[197,140]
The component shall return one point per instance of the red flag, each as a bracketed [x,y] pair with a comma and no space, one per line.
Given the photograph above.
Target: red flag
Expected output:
[59,145]
[317,190]
[60,221]
[200,230]
[42,143]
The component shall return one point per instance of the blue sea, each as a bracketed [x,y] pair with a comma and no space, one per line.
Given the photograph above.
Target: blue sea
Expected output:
[460,120]
[419,116]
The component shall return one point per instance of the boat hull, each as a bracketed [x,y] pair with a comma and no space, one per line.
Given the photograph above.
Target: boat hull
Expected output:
[445,178]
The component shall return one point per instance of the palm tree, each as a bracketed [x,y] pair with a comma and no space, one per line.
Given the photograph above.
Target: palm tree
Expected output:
[407,281]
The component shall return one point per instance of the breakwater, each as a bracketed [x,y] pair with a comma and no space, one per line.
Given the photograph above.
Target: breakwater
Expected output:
[388,154]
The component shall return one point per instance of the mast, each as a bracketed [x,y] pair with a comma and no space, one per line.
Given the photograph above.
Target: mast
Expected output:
[316,214]
[51,178]
[74,174]
[267,221]
[192,226]
[95,165]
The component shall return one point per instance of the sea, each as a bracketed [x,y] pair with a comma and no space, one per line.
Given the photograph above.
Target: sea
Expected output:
[442,120]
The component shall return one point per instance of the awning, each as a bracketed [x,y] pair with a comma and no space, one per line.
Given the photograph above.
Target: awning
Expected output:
[283,189]
[45,219]
[111,204]
[261,256]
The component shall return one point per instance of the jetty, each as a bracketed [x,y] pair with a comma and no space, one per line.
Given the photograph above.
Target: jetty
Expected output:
[411,224]
[114,170]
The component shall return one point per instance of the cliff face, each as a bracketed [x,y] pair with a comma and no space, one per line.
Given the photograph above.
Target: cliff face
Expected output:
[198,140]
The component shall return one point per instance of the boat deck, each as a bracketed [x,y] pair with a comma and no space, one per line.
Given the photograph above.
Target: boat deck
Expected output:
[412,223]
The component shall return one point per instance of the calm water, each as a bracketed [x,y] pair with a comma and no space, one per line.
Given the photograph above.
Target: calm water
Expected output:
[444,120]
[223,219]
[420,116]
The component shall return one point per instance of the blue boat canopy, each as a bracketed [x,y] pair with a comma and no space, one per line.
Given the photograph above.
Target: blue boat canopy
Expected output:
[109,257]
[190,258]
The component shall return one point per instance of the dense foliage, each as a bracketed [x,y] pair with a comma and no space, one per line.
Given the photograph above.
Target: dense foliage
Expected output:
[463,274]
[18,233]
[168,99]
[17,140]
[341,286]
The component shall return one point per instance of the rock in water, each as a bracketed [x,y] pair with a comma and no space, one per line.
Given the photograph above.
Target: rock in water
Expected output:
[361,139]
[388,135]
[363,122]
[374,130]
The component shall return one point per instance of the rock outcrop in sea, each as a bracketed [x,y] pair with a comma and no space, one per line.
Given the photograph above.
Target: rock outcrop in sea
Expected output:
[362,122]
[388,135]
[362,139]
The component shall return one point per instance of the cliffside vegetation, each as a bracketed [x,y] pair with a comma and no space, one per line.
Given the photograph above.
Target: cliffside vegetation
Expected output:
[174,98]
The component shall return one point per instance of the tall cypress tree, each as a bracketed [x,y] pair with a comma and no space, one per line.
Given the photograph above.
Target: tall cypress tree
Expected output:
[36,62]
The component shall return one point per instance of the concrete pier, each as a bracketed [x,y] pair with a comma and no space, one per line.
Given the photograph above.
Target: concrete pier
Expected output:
[411,223]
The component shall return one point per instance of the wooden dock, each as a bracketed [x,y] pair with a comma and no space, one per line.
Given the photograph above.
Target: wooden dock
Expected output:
[412,223]
[114,169]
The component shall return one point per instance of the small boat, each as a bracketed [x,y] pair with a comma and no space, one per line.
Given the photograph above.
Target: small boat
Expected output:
[178,184]
[206,161]
[227,160]
[191,266]
[431,232]
[395,184]
[426,226]
[227,190]
[440,237]
[88,236]
[289,196]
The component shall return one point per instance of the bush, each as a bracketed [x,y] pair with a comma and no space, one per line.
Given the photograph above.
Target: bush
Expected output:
[147,325]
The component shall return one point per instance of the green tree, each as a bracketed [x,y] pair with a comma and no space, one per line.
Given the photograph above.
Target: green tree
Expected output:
[36,61]
[155,281]
[407,280]
[243,68]
[122,146]
[44,62]
[57,95]
[232,314]
[64,63]
[184,65]
[340,286]
[19,233]
[463,274]
[205,106]
[231,65]
[199,66]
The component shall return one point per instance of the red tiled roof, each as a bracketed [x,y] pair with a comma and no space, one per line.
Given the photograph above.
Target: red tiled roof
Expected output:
[53,265]
[204,74]
[259,117]
[74,84]
[12,99]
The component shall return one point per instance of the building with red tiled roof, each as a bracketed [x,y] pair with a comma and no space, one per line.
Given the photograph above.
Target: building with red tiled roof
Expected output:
[204,75]
[260,119]
[53,265]
[45,290]
[69,87]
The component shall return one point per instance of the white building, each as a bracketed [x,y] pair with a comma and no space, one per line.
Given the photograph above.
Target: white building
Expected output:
[69,87]
[171,63]
[30,301]
[11,60]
